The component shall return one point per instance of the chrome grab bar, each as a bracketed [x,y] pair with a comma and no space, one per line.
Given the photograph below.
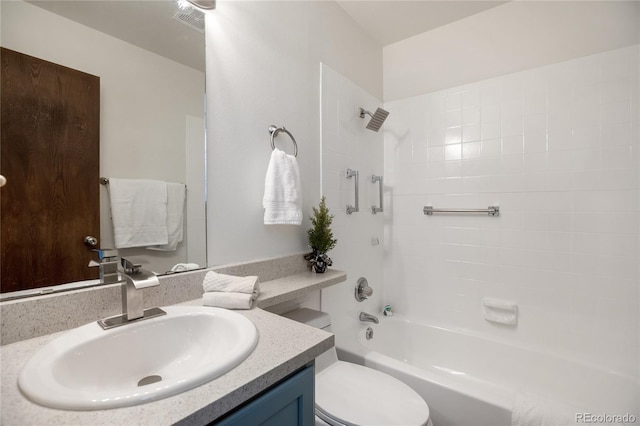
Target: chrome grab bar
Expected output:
[353,173]
[491,210]
[378,179]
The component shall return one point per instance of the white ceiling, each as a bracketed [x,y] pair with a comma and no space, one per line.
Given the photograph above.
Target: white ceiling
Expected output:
[389,21]
[149,23]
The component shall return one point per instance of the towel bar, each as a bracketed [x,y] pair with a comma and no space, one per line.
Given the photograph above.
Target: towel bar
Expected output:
[491,210]
[273,130]
[105,181]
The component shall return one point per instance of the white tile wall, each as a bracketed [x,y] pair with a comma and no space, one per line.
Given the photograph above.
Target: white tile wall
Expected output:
[557,148]
[346,143]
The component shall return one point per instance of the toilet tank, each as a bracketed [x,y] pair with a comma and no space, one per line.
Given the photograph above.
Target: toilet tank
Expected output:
[321,320]
[310,317]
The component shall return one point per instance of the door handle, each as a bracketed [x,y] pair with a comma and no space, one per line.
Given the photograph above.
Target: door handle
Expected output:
[90,241]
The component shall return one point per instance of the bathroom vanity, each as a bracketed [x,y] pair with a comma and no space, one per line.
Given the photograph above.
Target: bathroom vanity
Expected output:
[276,379]
[288,403]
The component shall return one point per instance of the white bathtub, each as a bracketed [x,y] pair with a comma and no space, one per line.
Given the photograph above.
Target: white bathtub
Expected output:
[467,380]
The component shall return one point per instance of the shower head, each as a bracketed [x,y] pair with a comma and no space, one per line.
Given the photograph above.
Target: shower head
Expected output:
[377,118]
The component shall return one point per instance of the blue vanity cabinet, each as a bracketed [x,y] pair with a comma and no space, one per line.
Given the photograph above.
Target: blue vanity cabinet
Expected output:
[288,403]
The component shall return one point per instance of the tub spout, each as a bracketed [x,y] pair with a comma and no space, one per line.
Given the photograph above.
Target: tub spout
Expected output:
[365,317]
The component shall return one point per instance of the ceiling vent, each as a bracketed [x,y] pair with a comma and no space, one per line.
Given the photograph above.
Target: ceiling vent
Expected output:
[191,17]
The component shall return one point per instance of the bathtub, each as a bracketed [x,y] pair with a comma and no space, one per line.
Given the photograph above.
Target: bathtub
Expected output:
[469,380]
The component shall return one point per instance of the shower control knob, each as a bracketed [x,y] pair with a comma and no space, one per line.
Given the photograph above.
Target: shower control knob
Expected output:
[363,291]
[366,291]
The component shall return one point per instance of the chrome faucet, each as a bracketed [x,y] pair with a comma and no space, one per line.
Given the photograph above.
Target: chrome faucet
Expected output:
[133,279]
[365,317]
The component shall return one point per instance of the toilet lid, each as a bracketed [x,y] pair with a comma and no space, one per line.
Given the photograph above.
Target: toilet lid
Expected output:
[355,395]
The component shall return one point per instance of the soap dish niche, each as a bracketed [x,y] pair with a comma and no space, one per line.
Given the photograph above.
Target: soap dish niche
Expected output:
[500,311]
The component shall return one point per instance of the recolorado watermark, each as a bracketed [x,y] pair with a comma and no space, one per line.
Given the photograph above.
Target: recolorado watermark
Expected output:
[605,418]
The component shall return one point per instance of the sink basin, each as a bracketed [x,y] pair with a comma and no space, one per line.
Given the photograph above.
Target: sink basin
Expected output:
[89,368]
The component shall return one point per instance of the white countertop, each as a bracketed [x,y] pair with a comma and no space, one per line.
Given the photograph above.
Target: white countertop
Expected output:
[293,286]
[284,346]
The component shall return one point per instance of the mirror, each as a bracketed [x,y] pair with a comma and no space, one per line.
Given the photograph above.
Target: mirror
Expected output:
[149,56]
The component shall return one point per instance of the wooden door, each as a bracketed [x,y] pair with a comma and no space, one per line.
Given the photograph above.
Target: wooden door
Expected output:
[49,148]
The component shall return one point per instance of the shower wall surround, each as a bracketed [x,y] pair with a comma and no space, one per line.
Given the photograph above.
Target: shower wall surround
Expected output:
[346,143]
[557,148]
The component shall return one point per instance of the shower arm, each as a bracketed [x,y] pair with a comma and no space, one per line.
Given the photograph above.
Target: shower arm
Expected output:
[364,111]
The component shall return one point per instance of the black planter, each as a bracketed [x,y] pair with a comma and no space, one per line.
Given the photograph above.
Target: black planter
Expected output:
[318,261]
[320,267]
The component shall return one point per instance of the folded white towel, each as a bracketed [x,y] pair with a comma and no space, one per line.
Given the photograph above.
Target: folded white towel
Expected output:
[181,267]
[228,300]
[214,281]
[534,410]
[139,212]
[282,202]
[175,216]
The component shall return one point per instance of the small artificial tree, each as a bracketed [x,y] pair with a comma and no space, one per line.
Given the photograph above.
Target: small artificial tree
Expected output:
[320,238]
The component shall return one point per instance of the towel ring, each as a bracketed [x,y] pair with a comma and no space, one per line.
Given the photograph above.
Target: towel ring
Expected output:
[273,130]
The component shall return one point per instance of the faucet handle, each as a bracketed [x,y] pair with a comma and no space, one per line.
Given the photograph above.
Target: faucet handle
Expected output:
[130,267]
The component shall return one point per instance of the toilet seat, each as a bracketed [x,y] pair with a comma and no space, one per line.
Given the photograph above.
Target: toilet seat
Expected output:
[352,395]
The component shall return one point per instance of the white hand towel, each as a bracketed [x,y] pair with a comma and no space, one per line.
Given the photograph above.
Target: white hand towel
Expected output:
[214,281]
[139,212]
[282,202]
[175,216]
[228,300]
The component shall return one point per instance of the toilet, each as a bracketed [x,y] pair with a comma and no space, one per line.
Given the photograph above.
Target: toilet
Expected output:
[349,394]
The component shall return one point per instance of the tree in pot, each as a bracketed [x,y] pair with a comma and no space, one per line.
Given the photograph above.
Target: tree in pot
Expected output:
[320,238]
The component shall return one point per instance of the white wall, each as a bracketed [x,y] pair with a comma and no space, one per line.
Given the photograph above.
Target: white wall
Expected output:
[557,148]
[144,103]
[346,143]
[513,37]
[263,68]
